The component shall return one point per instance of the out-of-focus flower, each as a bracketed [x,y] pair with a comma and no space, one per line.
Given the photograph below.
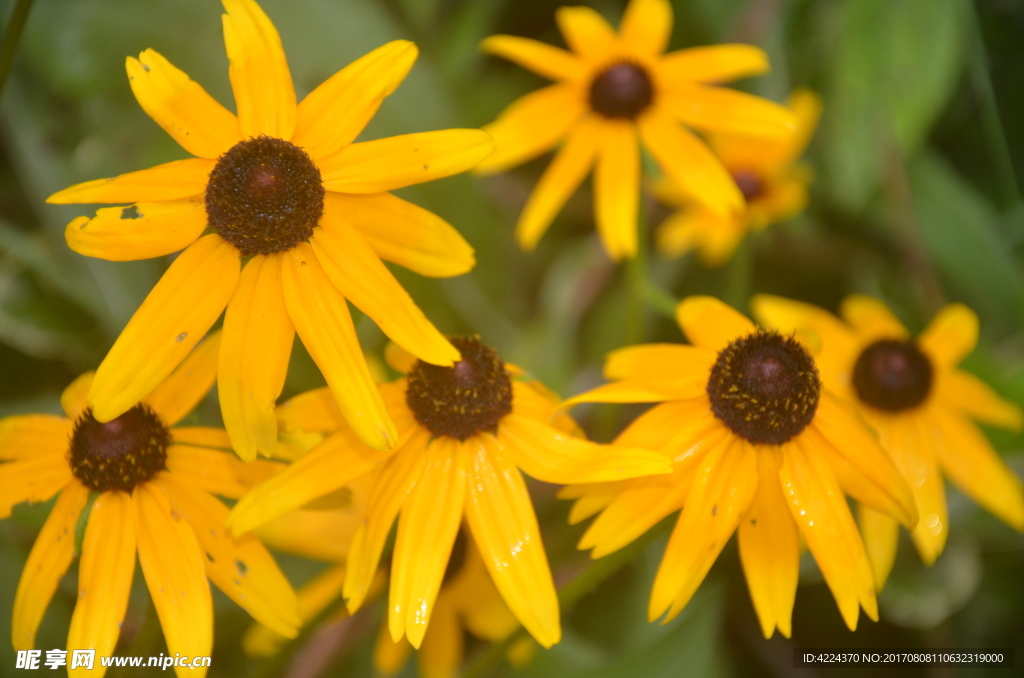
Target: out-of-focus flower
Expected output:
[136,484]
[611,88]
[281,188]
[759,448]
[773,183]
[922,407]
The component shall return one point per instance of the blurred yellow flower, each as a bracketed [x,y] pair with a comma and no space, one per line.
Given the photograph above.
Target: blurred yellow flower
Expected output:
[758,447]
[282,189]
[922,407]
[610,88]
[773,183]
[138,485]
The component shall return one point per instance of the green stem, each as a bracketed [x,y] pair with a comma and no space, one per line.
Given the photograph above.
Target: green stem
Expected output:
[736,287]
[11,37]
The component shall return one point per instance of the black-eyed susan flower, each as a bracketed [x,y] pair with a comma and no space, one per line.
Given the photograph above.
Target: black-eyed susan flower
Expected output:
[759,448]
[138,485]
[282,219]
[767,172]
[923,408]
[464,434]
[614,91]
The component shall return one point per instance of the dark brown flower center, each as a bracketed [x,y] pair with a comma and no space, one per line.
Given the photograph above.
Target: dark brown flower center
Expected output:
[892,375]
[460,401]
[121,453]
[265,195]
[765,388]
[622,90]
[749,183]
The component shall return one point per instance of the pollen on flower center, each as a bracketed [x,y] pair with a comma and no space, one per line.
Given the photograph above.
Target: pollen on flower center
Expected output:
[892,375]
[265,195]
[749,183]
[460,401]
[121,453]
[765,388]
[622,90]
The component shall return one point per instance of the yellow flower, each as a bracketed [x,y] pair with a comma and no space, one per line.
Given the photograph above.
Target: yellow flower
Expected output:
[921,406]
[610,88]
[758,447]
[284,191]
[773,184]
[138,485]
[464,434]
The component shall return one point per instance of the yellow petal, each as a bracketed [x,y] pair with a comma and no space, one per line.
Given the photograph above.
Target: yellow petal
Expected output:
[260,79]
[357,272]
[172,563]
[32,479]
[49,559]
[399,359]
[969,460]
[201,436]
[881,536]
[710,323]
[26,436]
[73,397]
[718,109]
[312,411]
[389,657]
[397,479]
[617,189]
[586,32]
[187,385]
[912,447]
[313,597]
[407,235]
[640,391]
[951,335]
[219,472]
[647,25]
[591,504]
[441,653]
[712,64]
[320,534]
[659,361]
[178,104]
[394,162]
[689,162]
[871,318]
[533,400]
[554,457]
[657,426]
[723,488]
[427,528]
[142,231]
[175,315]
[770,549]
[560,179]
[636,508]
[334,114]
[541,58]
[175,180]
[240,566]
[501,518]
[962,390]
[819,508]
[104,576]
[321,317]
[254,357]
[532,125]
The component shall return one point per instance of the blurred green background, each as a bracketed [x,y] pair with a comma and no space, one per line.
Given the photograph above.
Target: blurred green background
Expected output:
[916,200]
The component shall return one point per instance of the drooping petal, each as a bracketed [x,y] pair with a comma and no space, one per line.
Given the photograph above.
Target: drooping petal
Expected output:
[664,361]
[178,104]
[219,472]
[260,79]
[636,508]
[441,652]
[26,436]
[142,231]
[334,114]
[689,162]
[254,357]
[427,528]
[963,390]
[357,272]
[312,411]
[187,385]
[910,443]
[770,549]
[710,323]
[617,189]
[49,559]
[951,335]
[104,575]
[719,109]
[881,536]
[175,315]
[73,397]
[586,32]
[871,318]
[407,235]
[501,518]
[172,563]
[541,58]
[394,162]
[240,566]
[647,25]
[32,479]
[321,317]
[532,125]
[175,180]
[560,179]
[554,457]
[712,64]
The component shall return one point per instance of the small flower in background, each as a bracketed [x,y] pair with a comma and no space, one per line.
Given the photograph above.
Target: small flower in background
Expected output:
[767,172]
[921,405]
[136,484]
[464,433]
[282,189]
[759,448]
[610,88]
